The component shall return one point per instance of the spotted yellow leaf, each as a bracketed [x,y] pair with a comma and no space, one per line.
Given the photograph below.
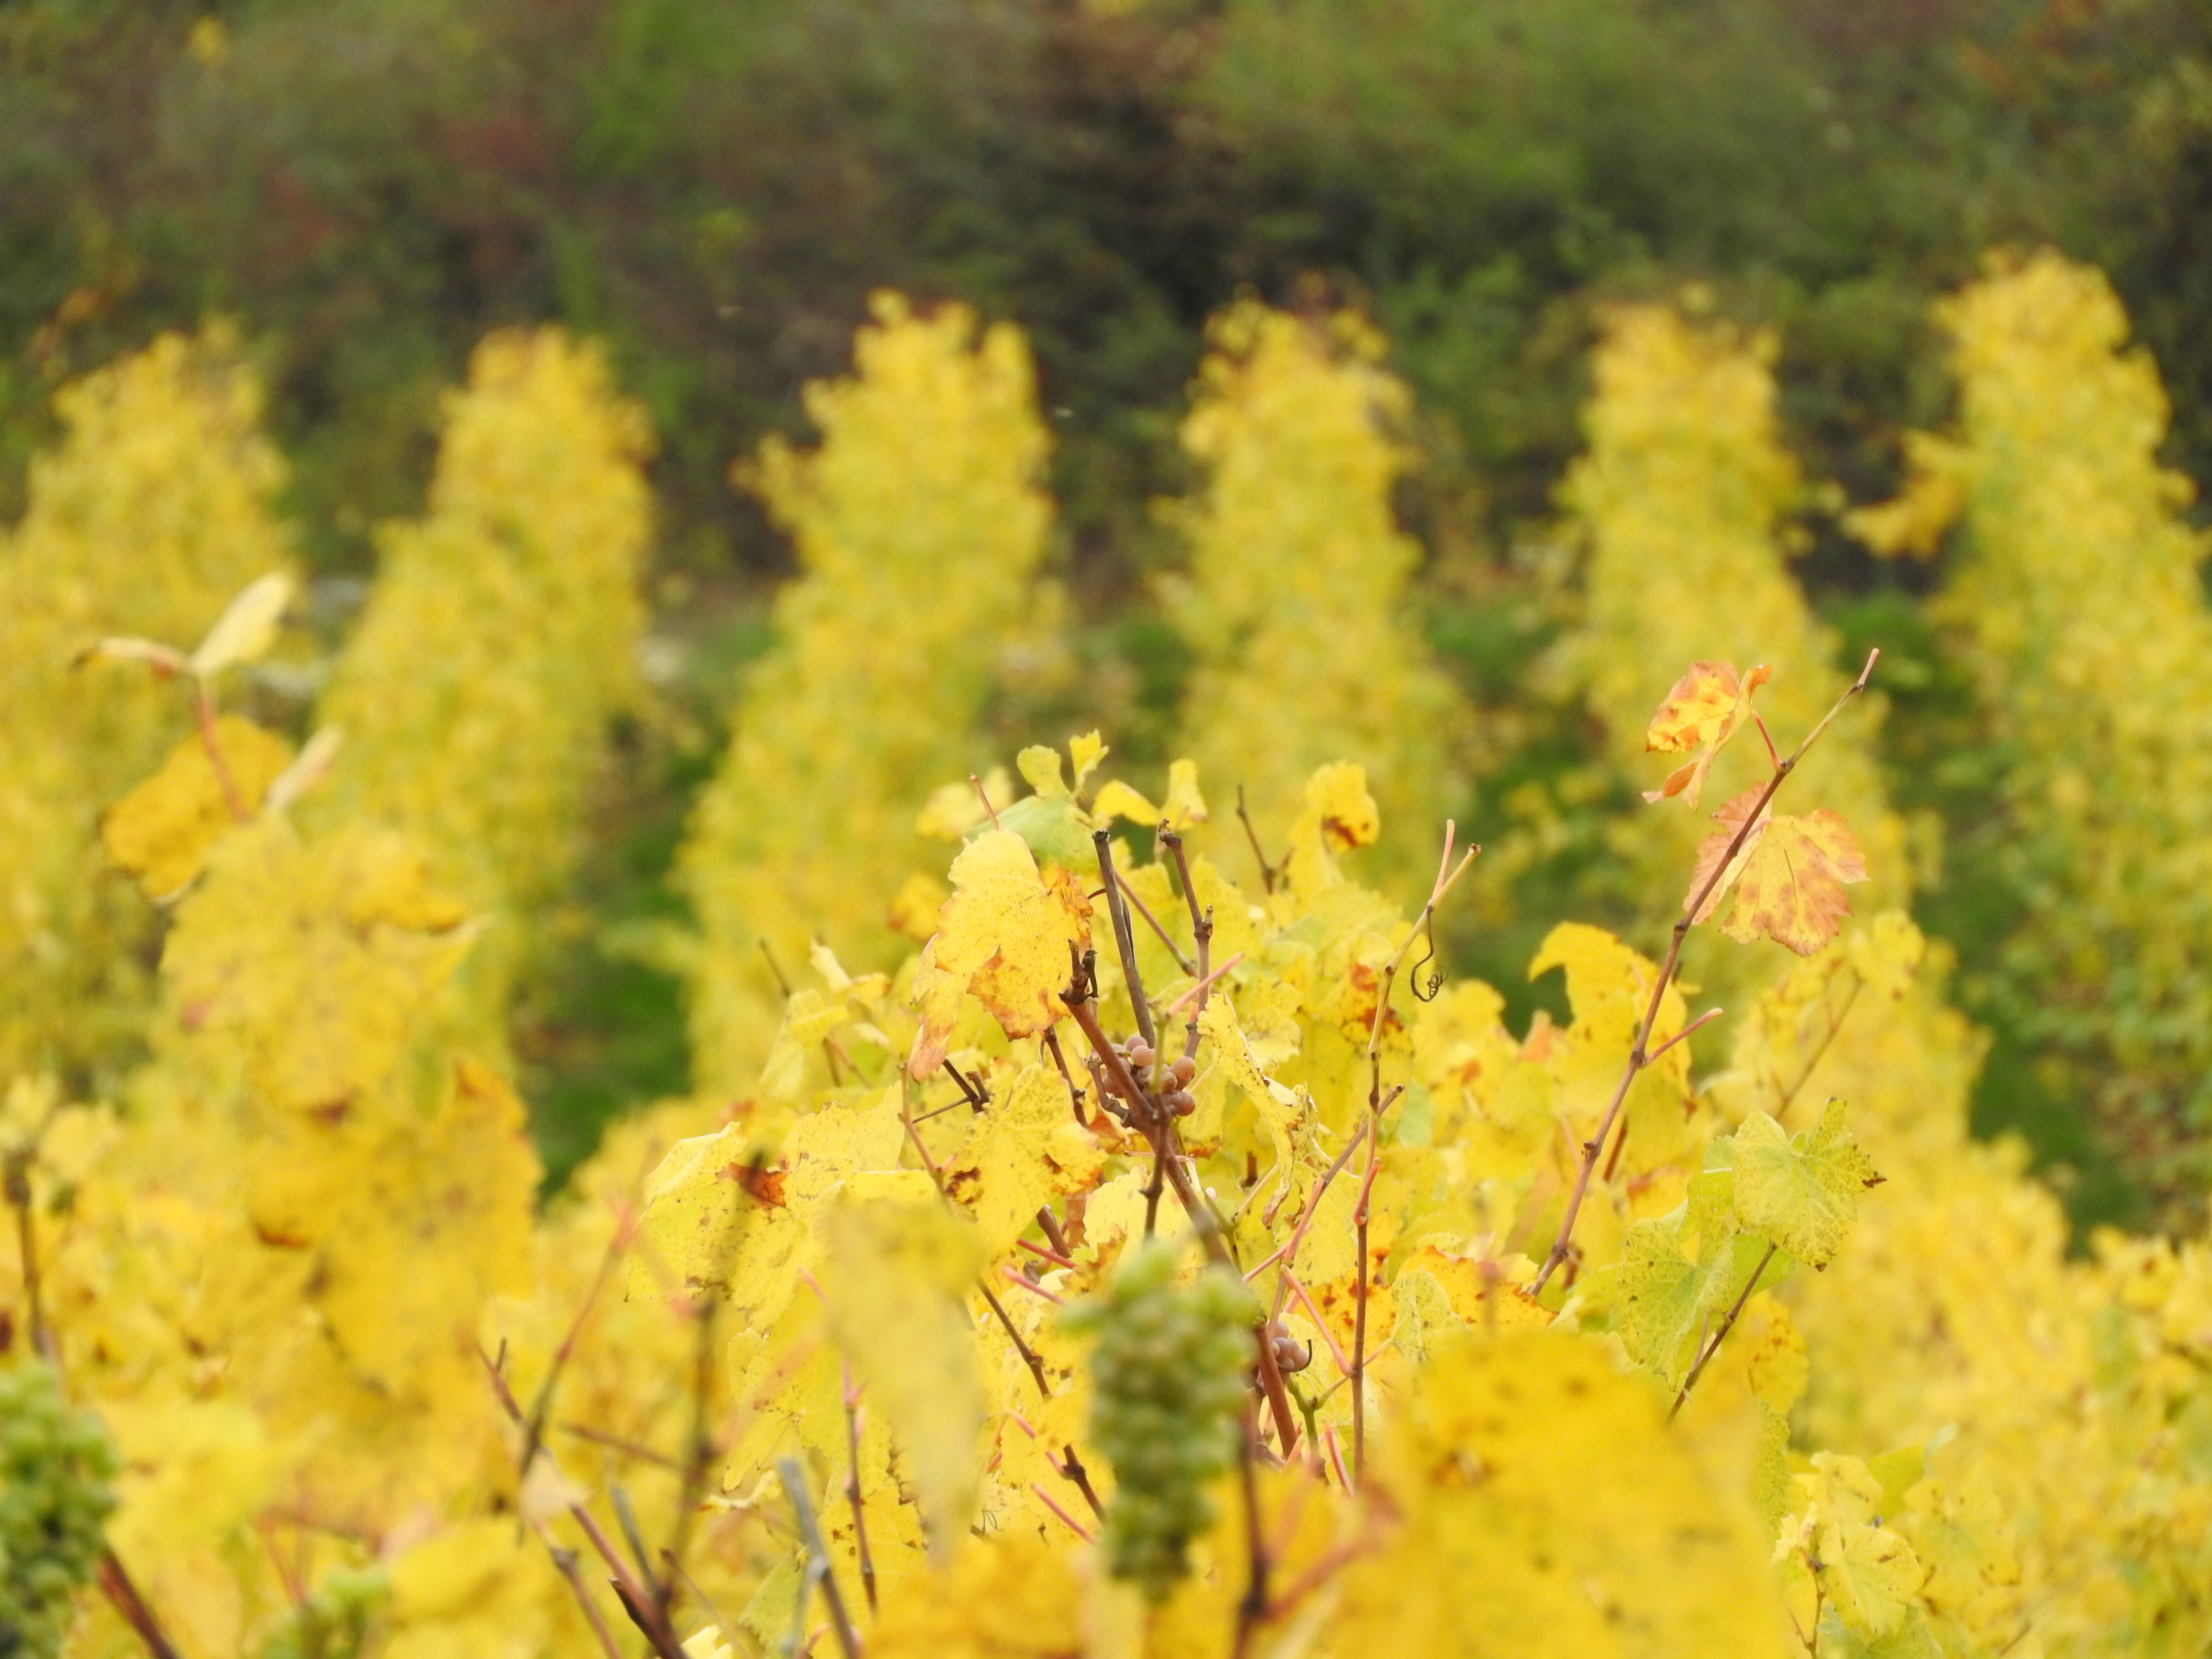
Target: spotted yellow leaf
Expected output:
[1021,1152]
[1787,879]
[1701,713]
[1002,937]
[1800,1192]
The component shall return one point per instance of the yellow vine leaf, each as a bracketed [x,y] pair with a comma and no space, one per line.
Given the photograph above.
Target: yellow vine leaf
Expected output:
[1285,1113]
[1339,815]
[247,627]
[1002,937]
[162,830]
[1669,1296]
[1182,806]
[321,956]
[1705,708]
[1786,880]
[1003,1598]
[1020,1154]
[1481,1293]
[1801,1192]
[1539,1484]
[897,1267]
[477,1591]
[1869,1576]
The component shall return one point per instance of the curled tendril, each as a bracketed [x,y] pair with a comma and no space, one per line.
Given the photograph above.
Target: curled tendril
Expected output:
[1436,977]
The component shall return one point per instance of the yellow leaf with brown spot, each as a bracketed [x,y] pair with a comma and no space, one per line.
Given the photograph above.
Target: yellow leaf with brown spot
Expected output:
[1021,1152]
[1002,937]
[1705,708]
[1786,880]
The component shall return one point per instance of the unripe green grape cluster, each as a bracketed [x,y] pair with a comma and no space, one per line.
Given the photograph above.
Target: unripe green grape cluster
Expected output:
[55,1466]
[1168,1368]
[335,1622]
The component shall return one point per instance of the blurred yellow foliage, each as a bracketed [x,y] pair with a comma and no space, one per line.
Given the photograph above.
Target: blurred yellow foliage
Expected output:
[1293,612]
[2079,607]
[918,523]
[152,511]
[499,641]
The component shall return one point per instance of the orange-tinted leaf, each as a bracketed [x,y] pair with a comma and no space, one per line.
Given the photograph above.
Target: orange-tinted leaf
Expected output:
[1786,881]
[1701,713]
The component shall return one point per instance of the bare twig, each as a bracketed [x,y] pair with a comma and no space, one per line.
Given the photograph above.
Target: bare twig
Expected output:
[1638,1054]
[1130,893]
[1620,1140]
[122,1596]
[978,1097]
[1266,870]
[852,1399]
[984,795]
[1050,1223]
[1125,938]
[616,1443]
[1712,1347]
[1252,1606]
[564,1562]
[638,1600]
[817,1556]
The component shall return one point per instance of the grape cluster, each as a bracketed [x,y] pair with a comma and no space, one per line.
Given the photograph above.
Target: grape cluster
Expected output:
[1168,1373]
[55,1466]
[335,1622]
[1177,1097]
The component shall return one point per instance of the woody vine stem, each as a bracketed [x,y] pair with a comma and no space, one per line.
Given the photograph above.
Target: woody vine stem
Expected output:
[1641,1053]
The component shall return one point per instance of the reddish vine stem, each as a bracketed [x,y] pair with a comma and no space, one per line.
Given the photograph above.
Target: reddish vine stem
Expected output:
[1005,1322]
[1448,875]
[1060,1059]
[122,1596]
[541,1408]
[1620,1140]
[1133,897]
[1639,1056]
[1252,1606]
[1356,1374]
[638,1602]
[564,1562]
[1266,870]
[1713,1347]
[204,717]
[852,1397]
